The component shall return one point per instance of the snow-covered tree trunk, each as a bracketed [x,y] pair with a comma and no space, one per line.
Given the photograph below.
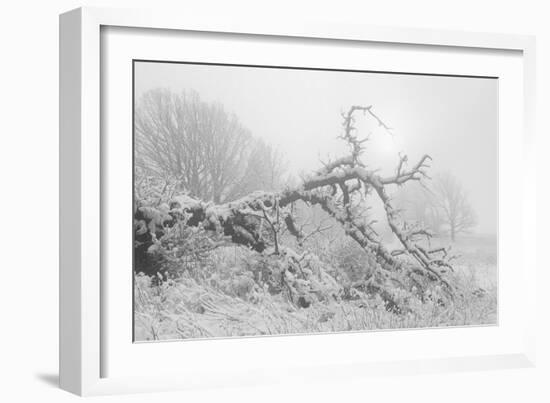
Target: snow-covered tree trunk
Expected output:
[340,188]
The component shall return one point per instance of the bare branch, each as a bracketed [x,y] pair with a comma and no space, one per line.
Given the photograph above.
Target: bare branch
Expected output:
[340,188]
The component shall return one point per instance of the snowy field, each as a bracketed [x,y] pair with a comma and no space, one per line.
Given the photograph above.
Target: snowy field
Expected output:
[273,201]
[227,303]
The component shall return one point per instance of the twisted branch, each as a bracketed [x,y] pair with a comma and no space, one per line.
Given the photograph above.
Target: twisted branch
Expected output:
[340,188]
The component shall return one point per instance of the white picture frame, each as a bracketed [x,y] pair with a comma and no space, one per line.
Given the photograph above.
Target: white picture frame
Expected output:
[83,339]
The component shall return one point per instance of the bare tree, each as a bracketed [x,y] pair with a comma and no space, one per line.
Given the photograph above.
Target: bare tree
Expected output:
[341,189]
[207,149]
[416,204]
[264,170]
[451,201]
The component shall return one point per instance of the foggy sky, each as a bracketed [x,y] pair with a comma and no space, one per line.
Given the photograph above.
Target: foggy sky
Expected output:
[453,119]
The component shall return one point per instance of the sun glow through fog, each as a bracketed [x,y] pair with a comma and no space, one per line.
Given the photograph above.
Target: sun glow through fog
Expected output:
[387,143]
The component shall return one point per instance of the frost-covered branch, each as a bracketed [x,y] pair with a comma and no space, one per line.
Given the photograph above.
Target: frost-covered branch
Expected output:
[340,188]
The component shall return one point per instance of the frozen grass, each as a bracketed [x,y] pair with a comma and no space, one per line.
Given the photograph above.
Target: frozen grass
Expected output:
[185,309]
[192,307]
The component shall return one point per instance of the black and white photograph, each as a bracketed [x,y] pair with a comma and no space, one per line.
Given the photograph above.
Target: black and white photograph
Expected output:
[278,201]
[275,200]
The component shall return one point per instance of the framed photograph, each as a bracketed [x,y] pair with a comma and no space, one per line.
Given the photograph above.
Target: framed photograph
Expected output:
[255,201]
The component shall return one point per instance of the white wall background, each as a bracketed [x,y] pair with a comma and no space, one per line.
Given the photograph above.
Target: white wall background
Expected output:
[29,201]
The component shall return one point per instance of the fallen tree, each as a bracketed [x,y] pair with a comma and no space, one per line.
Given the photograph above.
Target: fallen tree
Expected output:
[341,188]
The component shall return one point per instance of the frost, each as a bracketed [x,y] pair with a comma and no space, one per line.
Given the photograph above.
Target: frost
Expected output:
[262,264]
